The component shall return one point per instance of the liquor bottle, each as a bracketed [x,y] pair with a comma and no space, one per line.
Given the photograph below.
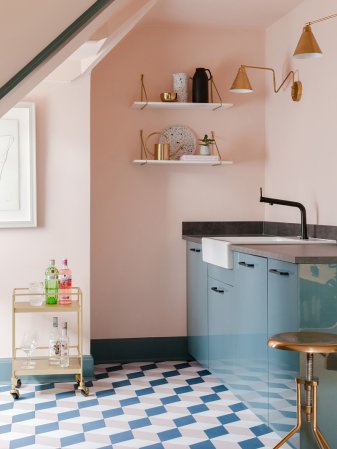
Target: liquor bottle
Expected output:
[65,284]
[64,359]
[54,344]
[51,283]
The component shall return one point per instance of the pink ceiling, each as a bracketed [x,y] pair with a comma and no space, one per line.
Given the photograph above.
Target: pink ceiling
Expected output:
[224,13]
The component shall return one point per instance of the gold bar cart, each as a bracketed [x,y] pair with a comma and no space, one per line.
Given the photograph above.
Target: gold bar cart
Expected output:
[21,304]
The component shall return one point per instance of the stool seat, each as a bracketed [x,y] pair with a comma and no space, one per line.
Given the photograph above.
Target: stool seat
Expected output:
[309,342]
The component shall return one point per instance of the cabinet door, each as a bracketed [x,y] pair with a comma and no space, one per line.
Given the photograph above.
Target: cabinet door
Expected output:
[250,360]
[283,316]
[197,327]
[222,328]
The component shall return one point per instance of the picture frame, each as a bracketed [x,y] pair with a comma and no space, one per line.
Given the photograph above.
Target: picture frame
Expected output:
[18,167]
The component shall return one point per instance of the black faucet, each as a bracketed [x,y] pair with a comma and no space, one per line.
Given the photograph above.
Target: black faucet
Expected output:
[271,201]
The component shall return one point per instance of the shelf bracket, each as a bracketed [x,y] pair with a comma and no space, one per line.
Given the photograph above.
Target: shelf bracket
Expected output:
[213,85]
[143,93]
[216,146]
[142,148]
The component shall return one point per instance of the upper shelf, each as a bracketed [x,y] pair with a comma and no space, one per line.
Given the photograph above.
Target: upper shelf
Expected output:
[181,106]
[26,307]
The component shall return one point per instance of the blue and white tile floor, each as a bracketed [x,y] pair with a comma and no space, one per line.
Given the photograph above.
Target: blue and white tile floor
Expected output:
[167,405]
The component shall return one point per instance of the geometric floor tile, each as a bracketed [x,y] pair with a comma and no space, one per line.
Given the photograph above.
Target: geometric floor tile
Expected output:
[166,405]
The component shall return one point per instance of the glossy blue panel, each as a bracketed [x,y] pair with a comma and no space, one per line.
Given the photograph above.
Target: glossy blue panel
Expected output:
[318,312]
[250,320]
[222,328]
[283,366]
[197,322]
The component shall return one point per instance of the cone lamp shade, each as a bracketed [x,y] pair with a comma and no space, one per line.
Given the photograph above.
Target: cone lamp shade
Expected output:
[241,84]
[307,46]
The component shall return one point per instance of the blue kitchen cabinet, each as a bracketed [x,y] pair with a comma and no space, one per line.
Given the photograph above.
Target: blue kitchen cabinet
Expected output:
[249,364]
[232,313]
[283,366]
[221,326]
[197,322]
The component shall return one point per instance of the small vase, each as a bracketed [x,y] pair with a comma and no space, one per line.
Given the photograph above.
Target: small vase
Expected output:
[180,86]
[204,150]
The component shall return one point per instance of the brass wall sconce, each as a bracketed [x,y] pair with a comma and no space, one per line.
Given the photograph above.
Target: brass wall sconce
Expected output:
[307,47]
[241,84]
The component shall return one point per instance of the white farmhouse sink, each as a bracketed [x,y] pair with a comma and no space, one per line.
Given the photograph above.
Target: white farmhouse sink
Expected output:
[218,250]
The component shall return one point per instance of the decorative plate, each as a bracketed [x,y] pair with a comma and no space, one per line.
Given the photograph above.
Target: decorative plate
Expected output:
[182,140]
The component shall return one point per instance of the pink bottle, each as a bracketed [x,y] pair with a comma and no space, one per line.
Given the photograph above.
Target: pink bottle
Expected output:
[64,284]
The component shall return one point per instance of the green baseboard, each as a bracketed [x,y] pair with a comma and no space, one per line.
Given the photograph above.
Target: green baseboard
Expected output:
[6,373]
[126,350]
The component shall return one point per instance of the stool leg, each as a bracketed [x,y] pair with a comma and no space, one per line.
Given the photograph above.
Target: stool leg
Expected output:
[299,417]
[321,441]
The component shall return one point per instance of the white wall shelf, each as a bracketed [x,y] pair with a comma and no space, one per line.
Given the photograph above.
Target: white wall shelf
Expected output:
[182,106]
[177,162]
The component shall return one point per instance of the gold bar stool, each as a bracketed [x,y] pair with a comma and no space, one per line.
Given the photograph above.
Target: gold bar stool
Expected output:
[310,343]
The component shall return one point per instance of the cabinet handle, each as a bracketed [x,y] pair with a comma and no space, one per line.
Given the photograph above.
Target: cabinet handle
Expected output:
[195,250]
[218,290]
[245,264]
[280,273]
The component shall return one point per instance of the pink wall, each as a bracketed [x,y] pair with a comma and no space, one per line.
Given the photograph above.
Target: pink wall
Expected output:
[63,195]
[301,137]
[137,255]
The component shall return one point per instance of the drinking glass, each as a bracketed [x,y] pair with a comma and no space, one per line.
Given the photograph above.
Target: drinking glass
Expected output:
[36,293]
[28,344]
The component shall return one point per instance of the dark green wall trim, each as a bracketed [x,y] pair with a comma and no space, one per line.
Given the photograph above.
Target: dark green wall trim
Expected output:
[126,350]
[55,45]
[6,373]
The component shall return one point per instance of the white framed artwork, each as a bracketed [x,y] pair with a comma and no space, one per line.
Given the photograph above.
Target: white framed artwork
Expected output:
[18,167]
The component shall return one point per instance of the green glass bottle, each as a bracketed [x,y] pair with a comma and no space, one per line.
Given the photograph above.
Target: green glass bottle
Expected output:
[51,283]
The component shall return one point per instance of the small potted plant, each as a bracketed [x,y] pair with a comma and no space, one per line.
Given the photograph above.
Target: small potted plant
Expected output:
[205,144]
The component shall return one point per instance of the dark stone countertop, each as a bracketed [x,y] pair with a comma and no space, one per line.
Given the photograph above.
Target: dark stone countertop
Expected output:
[315,253]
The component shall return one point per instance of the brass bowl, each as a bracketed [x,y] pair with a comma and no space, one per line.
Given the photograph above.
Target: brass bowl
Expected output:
[168,96]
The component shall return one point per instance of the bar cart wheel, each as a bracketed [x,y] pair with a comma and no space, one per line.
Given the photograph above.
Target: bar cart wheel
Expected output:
[15,393]
[78,379]
[84,390]
[18,383]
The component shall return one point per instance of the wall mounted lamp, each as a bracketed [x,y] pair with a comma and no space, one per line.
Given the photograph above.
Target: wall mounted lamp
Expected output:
[307,46]
[241,84]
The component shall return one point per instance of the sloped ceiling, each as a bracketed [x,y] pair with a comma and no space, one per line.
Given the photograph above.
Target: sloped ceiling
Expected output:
[28,26]
[220,13]
[117,14]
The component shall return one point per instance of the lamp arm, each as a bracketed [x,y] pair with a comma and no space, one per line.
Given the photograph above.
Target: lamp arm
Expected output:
[321,19]
[285,79]
[276,90]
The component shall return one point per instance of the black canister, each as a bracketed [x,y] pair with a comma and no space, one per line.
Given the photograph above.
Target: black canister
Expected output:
[200,85]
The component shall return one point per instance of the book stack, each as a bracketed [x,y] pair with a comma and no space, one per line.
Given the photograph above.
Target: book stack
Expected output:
[199,157]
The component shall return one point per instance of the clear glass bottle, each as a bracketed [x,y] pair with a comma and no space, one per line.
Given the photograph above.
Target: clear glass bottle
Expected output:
[64,360]
[65,282]
[51,283]
[54,343]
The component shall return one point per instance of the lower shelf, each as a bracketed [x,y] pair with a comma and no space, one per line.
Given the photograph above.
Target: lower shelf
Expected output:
[42,367]
[173,162]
